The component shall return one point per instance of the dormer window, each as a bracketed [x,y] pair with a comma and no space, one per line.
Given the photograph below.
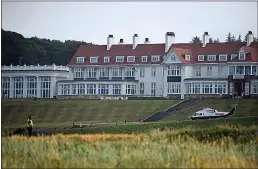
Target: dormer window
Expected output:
[211,57]
[120,59]
[94,59]
[155,58]
[241,56]
[187,57]
[79,59]
[200,57]
[144,58]
[233,56]
[222,57]
[106,59]
[130,58]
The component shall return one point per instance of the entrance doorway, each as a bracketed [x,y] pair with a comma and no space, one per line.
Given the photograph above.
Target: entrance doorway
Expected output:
[238,88]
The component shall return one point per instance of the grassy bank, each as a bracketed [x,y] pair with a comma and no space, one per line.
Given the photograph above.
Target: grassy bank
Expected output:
[155,149]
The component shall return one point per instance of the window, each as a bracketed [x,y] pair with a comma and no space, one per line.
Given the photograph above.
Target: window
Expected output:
[209,71]
[103,89]
[174,88]
[255,87]
[32,86]
[104,72]
[129,72]
[45,87]
[74,89]
[81,89]
[65,89]
[130,58]
[207,88]
[220,88]
[91,88]
[200,57]
[5,87]
[247,70]
[187,57]
[153,88]
[116,89]
[78,72]
[92,72]
[153,71]
[142,71]
[142,88]
[174,71]
[173,58]
[117,72]
[130,89]
[80,59]
[198,71]
[144,58]
[241,56]
[223,57]
[188,88]
[18,87]
[106,59]
[220,71]
[211,57]
[254,70]
[240,70]
[197,88]
[155,58]
[233,56]
[120,59]
[94,59]
[231,70]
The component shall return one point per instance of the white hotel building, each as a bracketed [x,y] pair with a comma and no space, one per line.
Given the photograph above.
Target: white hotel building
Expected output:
[177,70]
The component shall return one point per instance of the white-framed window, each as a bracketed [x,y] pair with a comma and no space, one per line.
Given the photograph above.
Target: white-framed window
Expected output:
[200,57]
[18,87]
[31,86]
[155,58]
[222,57]
[119,58]
[142,71]
[220,88]
[81,89]
[174,87]
[91,88]
[174,70]
[254,70]
[65,89]
[173,58]
[5,87]
[188,88]
[144,58]
[198,71]
[92,72]
[103,89]
[130,58]
[209,70]
[197,88]
[130,89]
[106,59]
[78,72]
[241,56]
[141,88]
[45,87]
[187,57]
[233,56]
[74,90]
[116,89]
[116,72]
[247,70]
[207,88]
[220,71]
[129,72]
[79,59]
[153,72]
[254,87]
[211,57]
[240,70]
[104,72]
[231,70]
[94,59]
[153,88]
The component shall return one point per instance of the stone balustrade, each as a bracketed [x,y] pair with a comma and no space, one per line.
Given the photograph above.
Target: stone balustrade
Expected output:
[33,67]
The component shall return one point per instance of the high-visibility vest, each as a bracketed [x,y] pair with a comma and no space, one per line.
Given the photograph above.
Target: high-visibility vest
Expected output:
[29,123]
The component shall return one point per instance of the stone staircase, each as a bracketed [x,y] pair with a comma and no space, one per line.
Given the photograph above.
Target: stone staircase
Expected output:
[163,114]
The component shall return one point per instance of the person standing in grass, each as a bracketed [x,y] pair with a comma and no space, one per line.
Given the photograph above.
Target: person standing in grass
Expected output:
[29,126]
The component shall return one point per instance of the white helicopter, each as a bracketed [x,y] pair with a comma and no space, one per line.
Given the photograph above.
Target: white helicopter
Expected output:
[209,113]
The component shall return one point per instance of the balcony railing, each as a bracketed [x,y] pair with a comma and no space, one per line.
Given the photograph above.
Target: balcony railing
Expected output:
[34,68]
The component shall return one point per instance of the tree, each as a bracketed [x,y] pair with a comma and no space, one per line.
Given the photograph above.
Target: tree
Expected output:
[239,39]
[216,40]
[196,40]
[210,40]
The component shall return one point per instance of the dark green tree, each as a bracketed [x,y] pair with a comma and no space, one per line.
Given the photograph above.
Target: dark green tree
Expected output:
[196,40]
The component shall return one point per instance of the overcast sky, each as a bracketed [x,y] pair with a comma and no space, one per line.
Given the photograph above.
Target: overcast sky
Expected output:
[93,22]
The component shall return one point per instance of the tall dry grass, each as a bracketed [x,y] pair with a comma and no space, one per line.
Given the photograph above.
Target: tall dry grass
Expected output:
[152,150]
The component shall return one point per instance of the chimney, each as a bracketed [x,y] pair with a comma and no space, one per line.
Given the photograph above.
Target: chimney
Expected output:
[169,40]
[205,39]
[110,41]
[146,40]
[250,38]
[121,41]
[135,40]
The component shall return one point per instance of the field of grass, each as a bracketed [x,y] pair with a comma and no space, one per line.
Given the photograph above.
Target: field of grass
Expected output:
[182,148]
[50,113]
